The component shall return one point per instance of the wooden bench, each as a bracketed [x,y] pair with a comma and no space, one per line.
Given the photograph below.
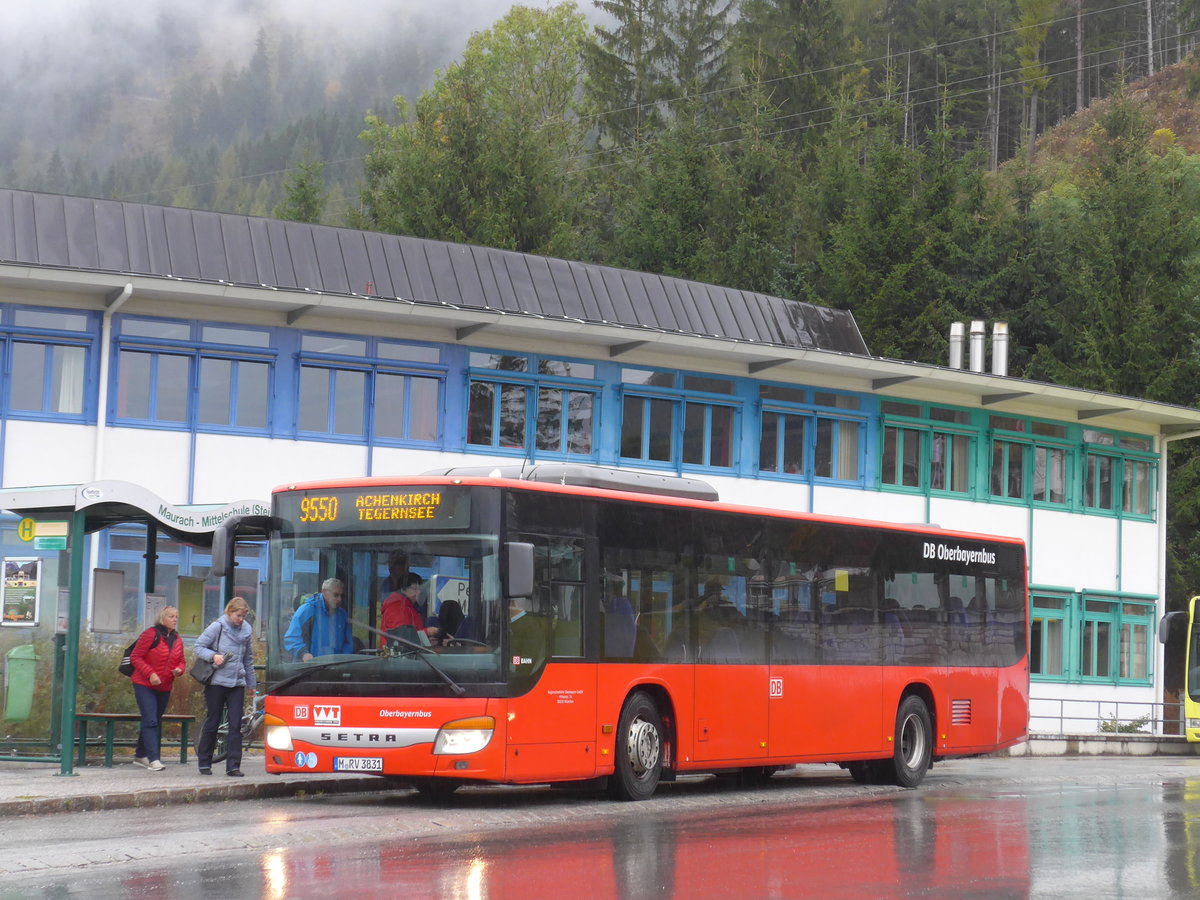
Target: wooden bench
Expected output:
[110,721]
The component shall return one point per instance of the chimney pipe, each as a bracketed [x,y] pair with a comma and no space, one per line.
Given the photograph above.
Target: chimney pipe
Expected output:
[958,335]
[999,348]
[977,336]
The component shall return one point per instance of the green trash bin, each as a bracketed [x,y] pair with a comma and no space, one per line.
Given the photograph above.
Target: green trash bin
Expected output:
[20,664]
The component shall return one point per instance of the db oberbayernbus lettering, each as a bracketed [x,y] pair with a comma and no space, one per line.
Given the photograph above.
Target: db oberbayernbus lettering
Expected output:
[603,626]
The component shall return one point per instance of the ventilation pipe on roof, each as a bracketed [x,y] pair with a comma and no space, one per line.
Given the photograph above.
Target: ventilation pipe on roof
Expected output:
[999,348]
[958,336]
[977,336]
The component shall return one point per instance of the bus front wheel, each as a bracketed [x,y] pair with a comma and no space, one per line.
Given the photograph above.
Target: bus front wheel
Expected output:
[639,749]
[914,742]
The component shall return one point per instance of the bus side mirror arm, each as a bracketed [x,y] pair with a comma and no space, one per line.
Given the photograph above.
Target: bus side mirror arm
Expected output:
[225,540]
[1165,623]
[519,577]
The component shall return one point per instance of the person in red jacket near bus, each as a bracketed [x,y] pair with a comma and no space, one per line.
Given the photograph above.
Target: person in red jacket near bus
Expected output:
[400,608]
[157,659]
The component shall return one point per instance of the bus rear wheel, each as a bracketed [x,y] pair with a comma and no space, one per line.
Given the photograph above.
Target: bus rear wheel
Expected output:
[914,742]
[639,749]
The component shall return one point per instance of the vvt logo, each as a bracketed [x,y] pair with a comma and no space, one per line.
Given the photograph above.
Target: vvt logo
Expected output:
[327,715]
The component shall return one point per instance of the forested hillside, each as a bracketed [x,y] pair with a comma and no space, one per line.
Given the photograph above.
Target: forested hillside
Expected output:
[915,161]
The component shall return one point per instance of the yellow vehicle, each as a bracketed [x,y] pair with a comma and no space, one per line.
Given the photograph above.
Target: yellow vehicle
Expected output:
[1191,665]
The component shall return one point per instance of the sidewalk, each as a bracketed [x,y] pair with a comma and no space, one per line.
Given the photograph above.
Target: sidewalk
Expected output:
[28,788]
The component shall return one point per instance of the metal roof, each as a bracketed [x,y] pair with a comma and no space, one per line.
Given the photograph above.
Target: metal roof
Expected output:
[336,277]
[111,236]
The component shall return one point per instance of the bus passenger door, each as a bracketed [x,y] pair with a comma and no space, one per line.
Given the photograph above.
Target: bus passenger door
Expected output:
[552,728]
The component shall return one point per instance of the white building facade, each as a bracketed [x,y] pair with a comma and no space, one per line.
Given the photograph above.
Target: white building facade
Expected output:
[210,358]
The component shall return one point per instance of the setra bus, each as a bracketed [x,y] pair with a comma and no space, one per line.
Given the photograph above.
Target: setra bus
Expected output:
[585,624]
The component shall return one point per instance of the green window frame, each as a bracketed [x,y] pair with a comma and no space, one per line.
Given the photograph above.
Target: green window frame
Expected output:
[1091,637]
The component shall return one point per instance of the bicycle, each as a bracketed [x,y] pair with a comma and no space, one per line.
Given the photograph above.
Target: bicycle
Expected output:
[250,724]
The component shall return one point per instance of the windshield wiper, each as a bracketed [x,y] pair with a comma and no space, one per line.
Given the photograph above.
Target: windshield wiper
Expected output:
[292,679]
[424,654]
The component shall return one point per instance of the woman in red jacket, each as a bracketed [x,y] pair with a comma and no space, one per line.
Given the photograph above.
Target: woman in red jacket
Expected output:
[157,661]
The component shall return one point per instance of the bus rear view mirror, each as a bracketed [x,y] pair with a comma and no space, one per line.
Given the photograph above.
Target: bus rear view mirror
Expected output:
[1165,623]
[519,579]
[225,539]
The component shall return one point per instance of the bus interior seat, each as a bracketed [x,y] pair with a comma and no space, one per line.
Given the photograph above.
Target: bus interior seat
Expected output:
[620,630]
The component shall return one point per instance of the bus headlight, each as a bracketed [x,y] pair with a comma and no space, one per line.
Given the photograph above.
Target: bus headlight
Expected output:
[464,736]
[277,734]
[1193,723]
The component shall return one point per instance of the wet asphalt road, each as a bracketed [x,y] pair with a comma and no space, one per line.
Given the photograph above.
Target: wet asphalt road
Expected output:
[1101,827]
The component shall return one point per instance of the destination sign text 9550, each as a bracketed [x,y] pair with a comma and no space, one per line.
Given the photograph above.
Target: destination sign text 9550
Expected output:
[319,509]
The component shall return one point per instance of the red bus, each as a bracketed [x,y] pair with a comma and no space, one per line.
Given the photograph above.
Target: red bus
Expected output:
[628,628]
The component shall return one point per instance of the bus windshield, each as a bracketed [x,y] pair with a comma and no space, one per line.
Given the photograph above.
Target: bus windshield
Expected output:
[386,593]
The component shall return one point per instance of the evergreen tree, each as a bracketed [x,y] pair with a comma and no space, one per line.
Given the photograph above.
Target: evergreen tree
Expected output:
[487,157]
[697,33]
[794,48]
[304,192]
[625,70]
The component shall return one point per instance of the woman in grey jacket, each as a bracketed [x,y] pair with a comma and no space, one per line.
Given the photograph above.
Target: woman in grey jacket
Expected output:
[226,643]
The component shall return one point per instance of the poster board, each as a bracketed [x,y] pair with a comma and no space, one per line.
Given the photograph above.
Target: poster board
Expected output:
[191,605]
[21,591]
[154,605]
[108,600]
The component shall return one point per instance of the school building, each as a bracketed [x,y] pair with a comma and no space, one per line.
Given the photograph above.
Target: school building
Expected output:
[207,358]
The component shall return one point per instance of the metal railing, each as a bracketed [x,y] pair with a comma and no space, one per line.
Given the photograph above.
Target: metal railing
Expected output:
[1105,717]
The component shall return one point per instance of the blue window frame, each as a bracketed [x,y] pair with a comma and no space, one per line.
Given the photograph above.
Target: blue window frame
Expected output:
[384,391]
[809,434]
[927,448]
[47,363]
[531,404]
[173,373]
[679,420]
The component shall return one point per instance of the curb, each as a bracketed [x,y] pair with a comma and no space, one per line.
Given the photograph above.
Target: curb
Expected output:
[154,797]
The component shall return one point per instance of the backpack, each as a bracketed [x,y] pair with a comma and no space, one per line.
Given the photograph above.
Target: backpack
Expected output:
[126,665]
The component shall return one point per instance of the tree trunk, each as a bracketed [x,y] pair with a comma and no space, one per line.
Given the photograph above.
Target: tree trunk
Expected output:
[1078,55]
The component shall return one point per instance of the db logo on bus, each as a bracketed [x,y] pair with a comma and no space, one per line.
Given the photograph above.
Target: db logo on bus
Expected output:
[327,715]
[776,687]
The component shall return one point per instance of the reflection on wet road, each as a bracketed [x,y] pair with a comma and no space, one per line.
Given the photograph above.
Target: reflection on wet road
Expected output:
[995,838]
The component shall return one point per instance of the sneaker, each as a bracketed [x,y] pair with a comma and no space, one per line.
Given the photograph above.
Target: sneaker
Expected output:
[141,761]
[235,773]
[205,770]
[155,766]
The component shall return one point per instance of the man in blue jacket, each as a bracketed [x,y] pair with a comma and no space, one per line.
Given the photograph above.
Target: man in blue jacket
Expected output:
[320,626]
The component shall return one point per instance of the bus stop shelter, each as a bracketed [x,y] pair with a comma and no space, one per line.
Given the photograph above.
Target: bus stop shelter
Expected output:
[59,518]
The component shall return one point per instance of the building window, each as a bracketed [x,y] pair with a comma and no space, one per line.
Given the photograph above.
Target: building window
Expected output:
[1047,637]
[798,438]
[47,354]
[179,374]
[679,419]
[1119,474]
[901,457]
[387,392]
[781,443]
[921,449]
[1085,637]
[534,405]
[51,378]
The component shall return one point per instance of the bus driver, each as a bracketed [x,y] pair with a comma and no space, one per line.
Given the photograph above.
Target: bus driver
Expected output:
[320,626]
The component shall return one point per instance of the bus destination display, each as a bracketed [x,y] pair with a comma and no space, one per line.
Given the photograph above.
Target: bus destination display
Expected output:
[385,508]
